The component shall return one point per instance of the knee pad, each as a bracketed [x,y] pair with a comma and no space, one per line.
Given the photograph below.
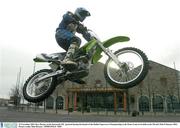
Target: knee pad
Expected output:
[76,40]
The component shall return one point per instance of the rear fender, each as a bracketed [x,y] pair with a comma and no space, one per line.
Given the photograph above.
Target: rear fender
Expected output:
[40,58]
[108,43]
[50,58]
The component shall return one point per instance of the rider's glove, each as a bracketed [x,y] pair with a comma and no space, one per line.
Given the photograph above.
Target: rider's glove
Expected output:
[87,36]
[81,29]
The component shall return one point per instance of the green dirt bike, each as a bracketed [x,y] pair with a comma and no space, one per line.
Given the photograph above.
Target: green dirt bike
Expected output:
[124,69]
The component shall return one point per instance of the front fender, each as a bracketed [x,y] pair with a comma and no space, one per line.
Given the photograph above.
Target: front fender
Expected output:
[108,43]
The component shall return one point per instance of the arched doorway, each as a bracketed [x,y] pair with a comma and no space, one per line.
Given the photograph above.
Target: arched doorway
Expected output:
[144,104]
[172,103]
[157,102]
[49,102]
[59,102]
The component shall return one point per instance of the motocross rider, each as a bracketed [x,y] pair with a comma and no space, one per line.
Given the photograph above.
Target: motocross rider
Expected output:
[65,34]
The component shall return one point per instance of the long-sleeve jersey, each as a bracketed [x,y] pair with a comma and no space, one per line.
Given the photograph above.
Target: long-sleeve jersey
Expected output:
[72,25]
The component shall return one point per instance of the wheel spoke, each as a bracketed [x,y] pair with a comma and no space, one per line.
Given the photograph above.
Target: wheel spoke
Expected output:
[36,89]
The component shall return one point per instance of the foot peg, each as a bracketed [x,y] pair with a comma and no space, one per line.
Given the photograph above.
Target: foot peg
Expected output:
[69,67]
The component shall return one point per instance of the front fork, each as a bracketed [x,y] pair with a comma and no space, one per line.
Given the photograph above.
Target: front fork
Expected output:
[109,53]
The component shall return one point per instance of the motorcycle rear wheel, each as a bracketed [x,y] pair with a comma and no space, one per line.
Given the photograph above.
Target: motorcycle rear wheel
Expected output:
[37,92]
[132,72]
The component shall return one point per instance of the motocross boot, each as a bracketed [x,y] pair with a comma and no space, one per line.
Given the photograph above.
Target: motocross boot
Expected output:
[68,62]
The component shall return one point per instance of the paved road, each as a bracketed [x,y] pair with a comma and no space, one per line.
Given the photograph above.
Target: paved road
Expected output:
[14,116]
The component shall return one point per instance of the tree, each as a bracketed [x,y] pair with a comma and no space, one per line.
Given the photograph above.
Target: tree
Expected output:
[15,95]
[16,92]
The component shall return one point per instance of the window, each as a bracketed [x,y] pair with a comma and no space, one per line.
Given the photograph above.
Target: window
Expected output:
[132,99]
[172,103]
[98,100]
[59,102]
[49,102]
[157,104]
[144,104]
[98,83]
[120,102]
[163,82]
[39,104]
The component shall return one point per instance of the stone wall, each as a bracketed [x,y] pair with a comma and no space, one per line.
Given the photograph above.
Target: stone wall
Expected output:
[160,81]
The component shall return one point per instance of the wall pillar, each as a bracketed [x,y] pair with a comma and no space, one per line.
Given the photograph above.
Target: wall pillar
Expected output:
[75,101]
[124,101]
[54,103]
[67,102]
[115,103]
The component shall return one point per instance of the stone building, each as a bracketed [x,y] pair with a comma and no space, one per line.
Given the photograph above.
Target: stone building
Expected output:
[158,92]
[4,102]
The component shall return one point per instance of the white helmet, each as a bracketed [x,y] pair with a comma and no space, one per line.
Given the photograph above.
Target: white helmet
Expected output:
[81,14]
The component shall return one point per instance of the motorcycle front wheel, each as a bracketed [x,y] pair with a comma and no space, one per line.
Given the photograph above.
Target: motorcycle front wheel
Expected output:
[134,68]
[34,91]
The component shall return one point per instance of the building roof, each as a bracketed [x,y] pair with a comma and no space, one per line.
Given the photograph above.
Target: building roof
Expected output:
[153,62]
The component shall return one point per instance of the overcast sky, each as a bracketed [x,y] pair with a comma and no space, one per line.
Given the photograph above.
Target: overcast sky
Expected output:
[27,27]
